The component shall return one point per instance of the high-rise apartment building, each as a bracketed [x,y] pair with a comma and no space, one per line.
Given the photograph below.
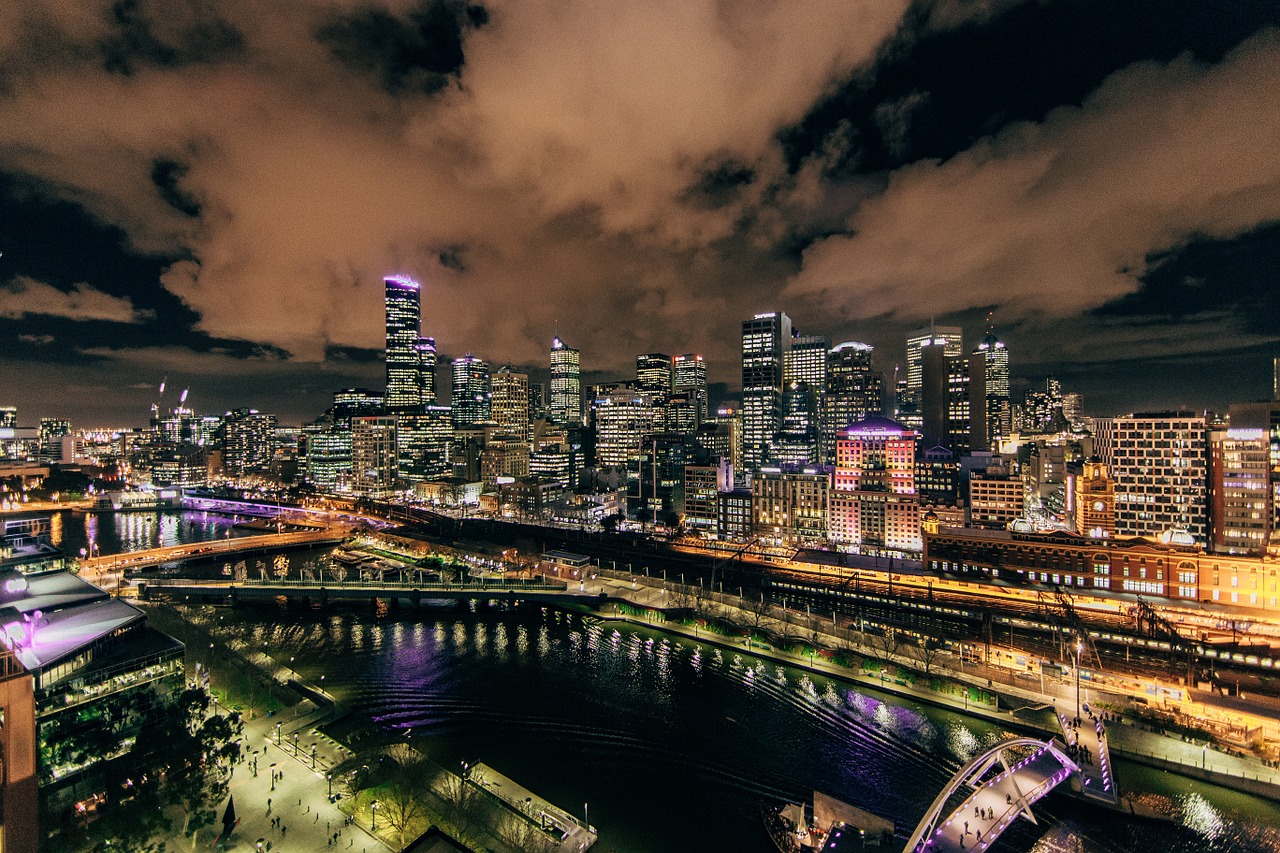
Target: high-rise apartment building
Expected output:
[471,392]
[765,341]
[1159,462]
[248,442]
[689,375]
[509,402]
[566,384]
[52,431]
[411,358]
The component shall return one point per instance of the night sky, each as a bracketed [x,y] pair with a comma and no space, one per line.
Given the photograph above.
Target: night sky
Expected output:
[212,190]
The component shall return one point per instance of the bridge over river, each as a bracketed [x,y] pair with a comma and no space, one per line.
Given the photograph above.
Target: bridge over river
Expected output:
[534,589]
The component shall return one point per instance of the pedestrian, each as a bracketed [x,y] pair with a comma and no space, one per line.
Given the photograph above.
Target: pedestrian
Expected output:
[284,830]
[966,828]
[268,805]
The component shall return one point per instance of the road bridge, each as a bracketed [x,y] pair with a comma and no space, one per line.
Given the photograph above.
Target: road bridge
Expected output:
[995,803]
[134,560]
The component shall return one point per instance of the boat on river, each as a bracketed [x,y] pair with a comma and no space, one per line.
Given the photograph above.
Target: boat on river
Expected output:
[830,825]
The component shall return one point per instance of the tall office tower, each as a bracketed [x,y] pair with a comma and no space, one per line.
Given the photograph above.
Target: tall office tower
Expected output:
[854,392]
[8,417]
[624,421]
[933,393]
[799,440]
[374,460]
[874,503]
[427,369]
[471,392]
[408,353]
[689,374]
[537,401]
[1095,501]
[566,384]
[1158,461]
[353,403]
[1275,380]
[999,414]
[52,431]
[966,404]
[510,402]
[248,442]
[653,375]
[765,341]
[1073,409]
[951,338]
[806,361]
[1042,410]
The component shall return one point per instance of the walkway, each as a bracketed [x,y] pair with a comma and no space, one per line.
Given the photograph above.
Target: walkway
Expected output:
[995,804]
[1086,737]
[576,836]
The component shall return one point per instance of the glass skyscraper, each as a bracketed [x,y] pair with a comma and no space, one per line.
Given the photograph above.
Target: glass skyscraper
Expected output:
[566,384]
[765,341]
[411,358]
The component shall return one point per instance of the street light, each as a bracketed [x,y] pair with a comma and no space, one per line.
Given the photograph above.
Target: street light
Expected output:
[313,756]
[1079,650]
[373,808]
[328,777]
[295,744]
[278,733]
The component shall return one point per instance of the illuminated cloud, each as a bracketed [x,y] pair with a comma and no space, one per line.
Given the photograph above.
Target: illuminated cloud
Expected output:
[25,297]
[1061,216]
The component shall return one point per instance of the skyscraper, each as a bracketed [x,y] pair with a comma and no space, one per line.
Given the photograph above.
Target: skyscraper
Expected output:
[689,374]
[999,412]
[952,340]
[411,358]
[471,392]
[1159,462]
[855,391]
[566,384]
[653,374]
[765,341]
[248,441]
[510,402]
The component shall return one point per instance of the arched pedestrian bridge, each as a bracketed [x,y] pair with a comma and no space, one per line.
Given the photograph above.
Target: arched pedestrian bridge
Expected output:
[1004,787]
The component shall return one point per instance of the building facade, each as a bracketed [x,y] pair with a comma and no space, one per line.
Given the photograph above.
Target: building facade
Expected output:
[766,338]
[565,404]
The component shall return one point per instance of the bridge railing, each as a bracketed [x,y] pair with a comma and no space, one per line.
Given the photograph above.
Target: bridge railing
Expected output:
[427,586]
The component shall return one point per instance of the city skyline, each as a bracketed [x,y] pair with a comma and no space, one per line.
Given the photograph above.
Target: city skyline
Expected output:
[217,194]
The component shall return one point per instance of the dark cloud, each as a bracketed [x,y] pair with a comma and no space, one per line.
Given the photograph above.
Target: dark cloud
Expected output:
[144,34]
[419,51]
[167,175]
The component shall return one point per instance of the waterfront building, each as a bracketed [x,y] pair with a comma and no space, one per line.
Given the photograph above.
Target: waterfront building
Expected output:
[689,376]
[1159,462]
[248,442]
[374,457]
[411,358]
[328,456]
[566,383]
[181,466]
[471,392]
[791,506]
[766,339]
[509,402]
[52,431]
[1095,501]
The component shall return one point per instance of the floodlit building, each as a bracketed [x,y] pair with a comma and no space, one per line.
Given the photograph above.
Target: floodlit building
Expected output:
[411,358]
[566,383]
[765,341]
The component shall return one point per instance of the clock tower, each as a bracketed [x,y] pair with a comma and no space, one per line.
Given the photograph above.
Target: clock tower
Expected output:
[1095,500]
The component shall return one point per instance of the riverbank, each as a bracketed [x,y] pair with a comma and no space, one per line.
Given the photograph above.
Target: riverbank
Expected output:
[1033,716]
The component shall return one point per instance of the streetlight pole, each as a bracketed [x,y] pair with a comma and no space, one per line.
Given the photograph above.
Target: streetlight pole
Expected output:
[1079,650]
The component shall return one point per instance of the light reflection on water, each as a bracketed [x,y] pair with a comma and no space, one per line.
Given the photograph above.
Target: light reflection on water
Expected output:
[668,738]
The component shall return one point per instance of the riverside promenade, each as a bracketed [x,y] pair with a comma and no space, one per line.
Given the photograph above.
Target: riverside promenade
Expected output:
[1126,739]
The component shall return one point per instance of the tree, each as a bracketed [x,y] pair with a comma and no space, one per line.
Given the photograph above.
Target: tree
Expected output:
[927,648]
[888,641]
[521,834]
[198,752]
[404,788]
